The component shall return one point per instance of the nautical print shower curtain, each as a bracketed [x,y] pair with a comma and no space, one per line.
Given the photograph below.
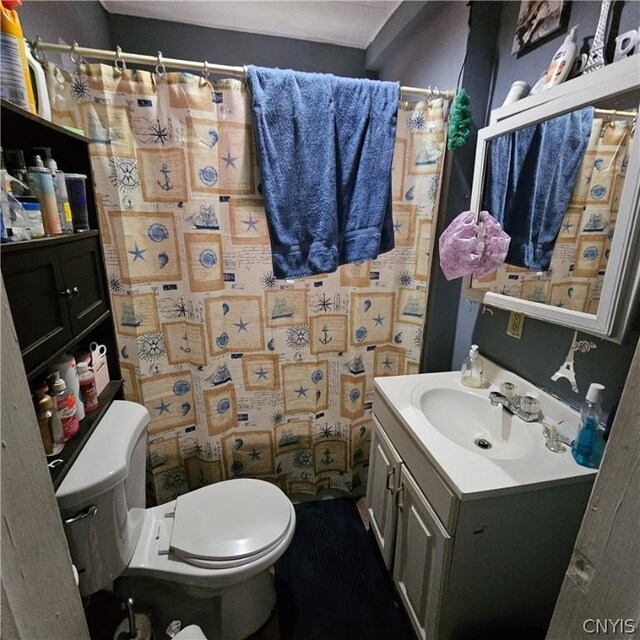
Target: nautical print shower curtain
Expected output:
[242,374]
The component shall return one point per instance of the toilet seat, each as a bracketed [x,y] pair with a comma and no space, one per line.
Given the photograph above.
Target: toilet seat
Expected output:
[230,523]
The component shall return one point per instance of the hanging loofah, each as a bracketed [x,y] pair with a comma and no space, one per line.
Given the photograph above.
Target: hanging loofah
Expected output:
[459,121]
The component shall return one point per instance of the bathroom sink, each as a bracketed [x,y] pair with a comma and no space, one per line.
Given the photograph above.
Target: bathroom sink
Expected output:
[479,449]
[471,422]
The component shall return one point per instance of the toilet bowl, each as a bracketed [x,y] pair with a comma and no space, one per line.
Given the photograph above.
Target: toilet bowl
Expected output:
[204,558]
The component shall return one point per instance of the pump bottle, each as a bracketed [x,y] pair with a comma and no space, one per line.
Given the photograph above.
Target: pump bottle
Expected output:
[472,369]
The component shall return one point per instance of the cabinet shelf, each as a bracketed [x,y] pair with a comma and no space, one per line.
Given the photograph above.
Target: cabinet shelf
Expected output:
[41,243]
[73,447]
[13,112]
[68,346]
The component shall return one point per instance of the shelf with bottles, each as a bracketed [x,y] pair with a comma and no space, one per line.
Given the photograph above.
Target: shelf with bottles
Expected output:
[32,136]
[60,463]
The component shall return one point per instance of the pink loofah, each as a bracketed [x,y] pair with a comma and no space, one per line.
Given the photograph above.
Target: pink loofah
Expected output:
[473,247]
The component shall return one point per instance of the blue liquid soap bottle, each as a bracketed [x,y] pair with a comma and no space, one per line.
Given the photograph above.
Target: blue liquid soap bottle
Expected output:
[588,447]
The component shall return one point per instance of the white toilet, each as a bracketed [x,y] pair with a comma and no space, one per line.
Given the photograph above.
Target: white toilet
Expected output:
[203,559]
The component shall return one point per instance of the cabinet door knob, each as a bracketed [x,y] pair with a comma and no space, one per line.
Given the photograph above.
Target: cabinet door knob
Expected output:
[67,292]
[75,291]
[390,474]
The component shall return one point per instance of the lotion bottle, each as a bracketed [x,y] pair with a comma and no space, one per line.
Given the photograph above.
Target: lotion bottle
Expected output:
[472,369]
[563,60]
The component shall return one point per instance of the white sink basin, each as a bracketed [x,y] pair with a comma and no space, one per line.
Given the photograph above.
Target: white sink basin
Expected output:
[471,422]
[448,422]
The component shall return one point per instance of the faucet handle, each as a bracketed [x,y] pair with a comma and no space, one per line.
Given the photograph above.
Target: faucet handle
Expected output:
[508,390]
[550,433]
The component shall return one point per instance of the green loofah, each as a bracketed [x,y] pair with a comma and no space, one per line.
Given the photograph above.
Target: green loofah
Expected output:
[459,121]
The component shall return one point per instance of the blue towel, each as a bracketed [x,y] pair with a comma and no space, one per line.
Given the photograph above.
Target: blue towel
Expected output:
[326,147]
[531,174]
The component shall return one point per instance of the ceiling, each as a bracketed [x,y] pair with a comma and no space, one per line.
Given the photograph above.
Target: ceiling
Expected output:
[352,23]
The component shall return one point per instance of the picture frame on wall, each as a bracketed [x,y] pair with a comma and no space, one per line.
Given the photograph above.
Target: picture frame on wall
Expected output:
[536,20]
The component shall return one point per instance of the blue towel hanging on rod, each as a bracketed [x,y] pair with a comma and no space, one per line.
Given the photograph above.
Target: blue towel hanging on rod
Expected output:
[325,146]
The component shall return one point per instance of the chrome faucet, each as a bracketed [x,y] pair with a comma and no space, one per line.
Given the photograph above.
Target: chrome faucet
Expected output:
[513,405]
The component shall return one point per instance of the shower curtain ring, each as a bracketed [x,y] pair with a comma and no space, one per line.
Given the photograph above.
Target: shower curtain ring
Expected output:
[205,72]
[161,70]
[74,54]
[118,62]
[39,53]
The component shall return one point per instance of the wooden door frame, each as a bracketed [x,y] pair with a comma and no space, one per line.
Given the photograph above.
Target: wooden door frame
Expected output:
[39,596]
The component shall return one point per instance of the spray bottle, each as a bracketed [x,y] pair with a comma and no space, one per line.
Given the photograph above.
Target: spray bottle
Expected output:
[16,80]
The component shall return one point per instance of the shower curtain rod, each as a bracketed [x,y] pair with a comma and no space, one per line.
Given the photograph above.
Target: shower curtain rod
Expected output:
[119,58]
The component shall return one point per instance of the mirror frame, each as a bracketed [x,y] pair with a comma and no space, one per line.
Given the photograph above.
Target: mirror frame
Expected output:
[621,280]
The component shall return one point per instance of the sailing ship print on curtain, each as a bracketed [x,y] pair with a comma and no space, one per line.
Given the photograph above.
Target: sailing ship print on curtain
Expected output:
[243,374]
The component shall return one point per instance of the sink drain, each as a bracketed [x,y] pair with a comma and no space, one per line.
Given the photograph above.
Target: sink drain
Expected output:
[482,443]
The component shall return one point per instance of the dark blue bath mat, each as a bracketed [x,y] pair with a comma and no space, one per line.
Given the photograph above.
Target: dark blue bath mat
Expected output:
[332,583]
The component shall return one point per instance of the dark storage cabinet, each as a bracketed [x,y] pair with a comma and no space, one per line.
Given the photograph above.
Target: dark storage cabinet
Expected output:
[56,287]
[55,292]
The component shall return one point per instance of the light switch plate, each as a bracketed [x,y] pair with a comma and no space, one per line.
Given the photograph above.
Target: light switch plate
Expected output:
[515,324]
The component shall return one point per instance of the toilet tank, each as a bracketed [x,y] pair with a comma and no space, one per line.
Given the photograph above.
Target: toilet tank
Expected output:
[102,497]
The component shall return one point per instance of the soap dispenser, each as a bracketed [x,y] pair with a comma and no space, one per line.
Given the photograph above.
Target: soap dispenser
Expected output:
[588,447]
[472,369]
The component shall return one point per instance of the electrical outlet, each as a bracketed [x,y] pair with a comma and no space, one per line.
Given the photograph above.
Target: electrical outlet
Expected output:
[515,324]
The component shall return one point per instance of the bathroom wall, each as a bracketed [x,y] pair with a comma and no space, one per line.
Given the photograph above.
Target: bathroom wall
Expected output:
[85,22]
[422,44]
[220,46]
[544,346]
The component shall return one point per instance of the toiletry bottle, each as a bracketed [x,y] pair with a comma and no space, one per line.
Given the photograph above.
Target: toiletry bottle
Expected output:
[65,403]
[41,183]
[62,198]
[16,81]
[472,369]
[87,387]
[588,447]
[562,61]
[17,169]
[51,430]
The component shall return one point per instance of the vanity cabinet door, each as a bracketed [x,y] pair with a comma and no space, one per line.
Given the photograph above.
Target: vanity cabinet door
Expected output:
[421,557]
[384,468]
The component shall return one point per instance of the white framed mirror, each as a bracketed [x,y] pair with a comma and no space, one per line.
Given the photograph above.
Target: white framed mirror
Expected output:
[563,178]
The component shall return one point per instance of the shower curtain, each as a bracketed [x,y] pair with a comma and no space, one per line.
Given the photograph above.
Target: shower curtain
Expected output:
[243,375]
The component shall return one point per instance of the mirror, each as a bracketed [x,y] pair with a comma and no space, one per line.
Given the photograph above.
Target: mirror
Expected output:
[562,179]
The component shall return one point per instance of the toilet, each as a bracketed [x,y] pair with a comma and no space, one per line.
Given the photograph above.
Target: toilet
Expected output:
[205,558]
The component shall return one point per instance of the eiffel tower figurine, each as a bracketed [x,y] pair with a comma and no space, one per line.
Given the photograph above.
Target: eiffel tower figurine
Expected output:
[595,59]
[566,368]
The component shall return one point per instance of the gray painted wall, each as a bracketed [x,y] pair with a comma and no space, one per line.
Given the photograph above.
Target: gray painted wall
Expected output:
[85,22]
[544,346]
[190,42]
[426,57]
[410,48]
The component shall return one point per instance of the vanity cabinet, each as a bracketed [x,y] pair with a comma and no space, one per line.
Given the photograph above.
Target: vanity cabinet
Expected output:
[467,567]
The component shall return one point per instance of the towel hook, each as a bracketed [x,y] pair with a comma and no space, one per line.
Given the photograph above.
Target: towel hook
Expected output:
[161,70]
[118,61]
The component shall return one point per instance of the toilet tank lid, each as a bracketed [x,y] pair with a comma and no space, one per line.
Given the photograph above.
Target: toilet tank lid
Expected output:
[104,459]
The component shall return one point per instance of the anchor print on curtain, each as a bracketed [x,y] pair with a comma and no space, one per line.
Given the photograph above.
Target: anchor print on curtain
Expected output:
[243,374]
